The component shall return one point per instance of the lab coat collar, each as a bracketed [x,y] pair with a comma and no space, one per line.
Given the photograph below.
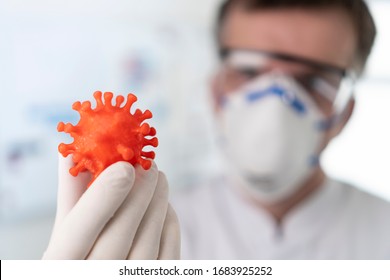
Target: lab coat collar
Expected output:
[304,221]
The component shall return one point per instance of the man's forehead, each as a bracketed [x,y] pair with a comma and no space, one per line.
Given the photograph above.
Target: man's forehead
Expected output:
[323,35]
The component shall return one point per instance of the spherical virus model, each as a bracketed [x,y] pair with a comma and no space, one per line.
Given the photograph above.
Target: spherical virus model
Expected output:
[107,134]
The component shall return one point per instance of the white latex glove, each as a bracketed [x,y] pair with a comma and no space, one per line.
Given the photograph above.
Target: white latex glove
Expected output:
[124,214]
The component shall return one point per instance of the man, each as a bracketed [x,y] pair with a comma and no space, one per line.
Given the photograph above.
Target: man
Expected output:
[283,92]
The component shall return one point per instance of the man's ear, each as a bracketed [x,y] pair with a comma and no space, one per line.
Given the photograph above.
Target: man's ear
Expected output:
[346,116]
[336,130]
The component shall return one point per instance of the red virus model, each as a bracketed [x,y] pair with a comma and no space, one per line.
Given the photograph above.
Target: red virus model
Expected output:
[107,134]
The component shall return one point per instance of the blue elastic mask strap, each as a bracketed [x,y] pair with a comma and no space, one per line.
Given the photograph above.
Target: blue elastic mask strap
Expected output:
[296,104]
[314,161]
[329,123]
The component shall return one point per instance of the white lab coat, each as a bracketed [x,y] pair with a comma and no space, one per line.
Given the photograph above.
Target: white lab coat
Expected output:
[336,222]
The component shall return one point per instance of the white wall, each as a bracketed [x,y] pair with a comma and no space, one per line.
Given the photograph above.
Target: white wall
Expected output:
[361,154]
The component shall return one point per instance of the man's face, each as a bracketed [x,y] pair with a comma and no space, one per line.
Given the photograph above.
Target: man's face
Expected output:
[325,36]
[322,35]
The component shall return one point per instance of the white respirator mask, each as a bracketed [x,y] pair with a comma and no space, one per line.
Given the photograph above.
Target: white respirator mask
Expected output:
[271,134]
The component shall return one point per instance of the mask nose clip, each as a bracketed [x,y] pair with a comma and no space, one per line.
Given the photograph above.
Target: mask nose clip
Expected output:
[287,97]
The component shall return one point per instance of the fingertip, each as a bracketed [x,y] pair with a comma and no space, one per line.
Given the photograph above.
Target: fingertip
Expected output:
[154,165]
[162,177]
[151,172]
[162,188]
[153,168]
[70,188]
[123,169]
[120,174]
[163,182]
[64,163]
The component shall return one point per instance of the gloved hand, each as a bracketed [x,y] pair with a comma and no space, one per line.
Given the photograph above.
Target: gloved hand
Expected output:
[124,214]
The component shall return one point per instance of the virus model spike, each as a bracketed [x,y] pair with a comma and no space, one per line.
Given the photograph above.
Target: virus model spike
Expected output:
[107,134]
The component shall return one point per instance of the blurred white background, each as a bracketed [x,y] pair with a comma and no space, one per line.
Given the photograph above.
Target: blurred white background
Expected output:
[55,52]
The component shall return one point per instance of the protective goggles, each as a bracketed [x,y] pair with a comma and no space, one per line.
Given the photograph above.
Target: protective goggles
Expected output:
[330,87]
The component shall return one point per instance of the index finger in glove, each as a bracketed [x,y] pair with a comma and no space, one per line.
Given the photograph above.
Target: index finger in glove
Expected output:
[70,188]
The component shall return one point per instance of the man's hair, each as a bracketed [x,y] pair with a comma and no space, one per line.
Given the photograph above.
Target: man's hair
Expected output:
[357,10]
